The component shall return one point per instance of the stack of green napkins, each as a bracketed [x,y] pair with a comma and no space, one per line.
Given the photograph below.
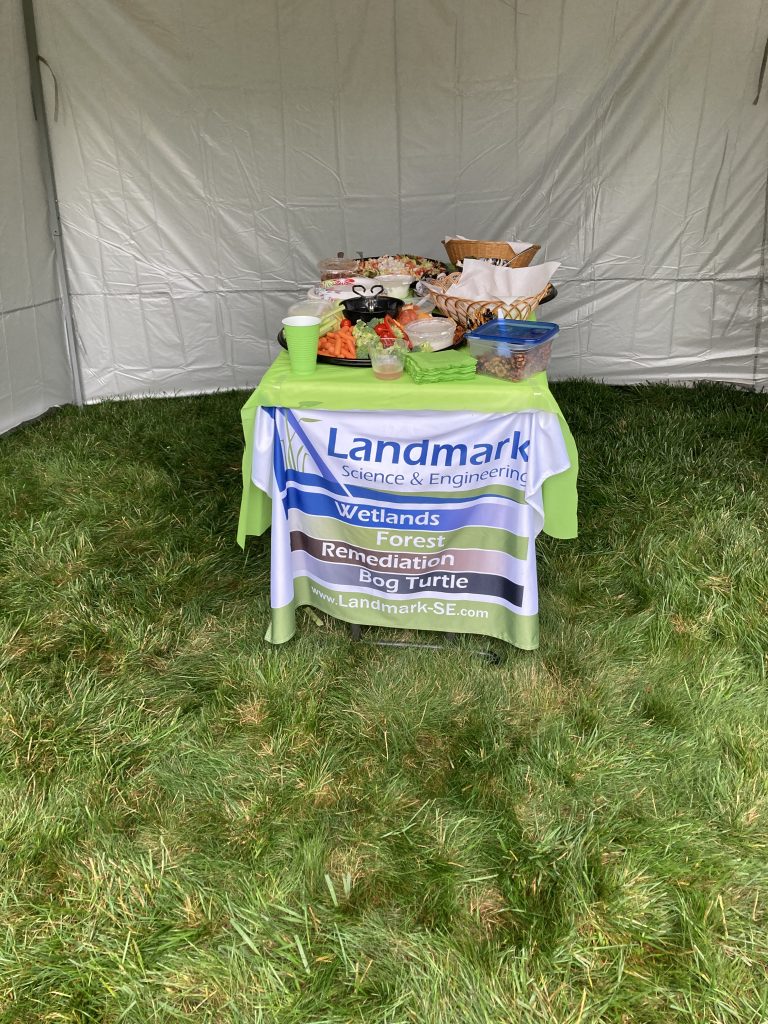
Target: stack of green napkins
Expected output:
[437,367]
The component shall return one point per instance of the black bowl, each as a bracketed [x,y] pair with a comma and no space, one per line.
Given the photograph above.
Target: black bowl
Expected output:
[371,307]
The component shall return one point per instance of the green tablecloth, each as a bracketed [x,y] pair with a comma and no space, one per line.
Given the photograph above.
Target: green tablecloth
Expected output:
[351,388]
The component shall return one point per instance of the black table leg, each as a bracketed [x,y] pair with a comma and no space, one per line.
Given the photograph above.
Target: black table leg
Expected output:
[357,635]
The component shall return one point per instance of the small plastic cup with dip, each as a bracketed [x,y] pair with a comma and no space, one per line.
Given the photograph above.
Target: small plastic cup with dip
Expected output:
[387,363]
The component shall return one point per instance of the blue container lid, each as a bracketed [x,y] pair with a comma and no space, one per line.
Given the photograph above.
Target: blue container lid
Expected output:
[515,332]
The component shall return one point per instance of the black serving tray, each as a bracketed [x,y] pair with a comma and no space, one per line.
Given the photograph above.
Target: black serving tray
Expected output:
[330,360]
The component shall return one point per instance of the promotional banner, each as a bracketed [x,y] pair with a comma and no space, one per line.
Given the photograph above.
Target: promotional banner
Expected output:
[413,520]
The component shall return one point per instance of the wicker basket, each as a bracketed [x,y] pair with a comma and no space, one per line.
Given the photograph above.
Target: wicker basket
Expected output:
[459,249]
[470,313]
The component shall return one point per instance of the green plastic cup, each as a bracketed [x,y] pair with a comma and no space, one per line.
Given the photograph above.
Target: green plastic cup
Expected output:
[302,334]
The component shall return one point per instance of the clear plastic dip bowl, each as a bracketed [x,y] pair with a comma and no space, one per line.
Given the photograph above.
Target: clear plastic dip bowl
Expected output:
[387,363]
[437,332]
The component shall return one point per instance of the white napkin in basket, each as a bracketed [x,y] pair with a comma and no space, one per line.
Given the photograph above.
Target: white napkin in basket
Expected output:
[515,246]
[481,280]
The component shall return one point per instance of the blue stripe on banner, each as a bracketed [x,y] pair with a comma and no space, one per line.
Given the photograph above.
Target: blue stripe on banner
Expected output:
[445,519]
[278,465]
[399,498]
[290,417]
[315,480]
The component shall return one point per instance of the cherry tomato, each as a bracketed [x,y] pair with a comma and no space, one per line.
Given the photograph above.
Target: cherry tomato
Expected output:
[345,323]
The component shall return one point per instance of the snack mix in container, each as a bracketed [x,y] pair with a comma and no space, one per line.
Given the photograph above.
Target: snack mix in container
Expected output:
[512,349]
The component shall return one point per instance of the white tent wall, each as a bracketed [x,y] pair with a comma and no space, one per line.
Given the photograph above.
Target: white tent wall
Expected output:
[209,152]
[34,371]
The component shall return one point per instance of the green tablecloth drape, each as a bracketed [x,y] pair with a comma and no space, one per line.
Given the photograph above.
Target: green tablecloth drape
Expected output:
[353,388]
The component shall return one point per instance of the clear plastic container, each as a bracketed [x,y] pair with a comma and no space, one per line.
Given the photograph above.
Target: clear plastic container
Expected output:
[387,363]
[311,307]
[437,332]
[512,349]
[336,268]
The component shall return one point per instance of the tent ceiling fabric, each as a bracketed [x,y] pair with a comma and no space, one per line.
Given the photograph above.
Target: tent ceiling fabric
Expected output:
[34,372]
[209,153]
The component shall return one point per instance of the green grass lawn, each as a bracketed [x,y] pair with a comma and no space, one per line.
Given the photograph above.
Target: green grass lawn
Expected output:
[196,826]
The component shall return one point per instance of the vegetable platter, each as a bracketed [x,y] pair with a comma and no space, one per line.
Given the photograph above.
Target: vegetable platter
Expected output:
[350,344]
